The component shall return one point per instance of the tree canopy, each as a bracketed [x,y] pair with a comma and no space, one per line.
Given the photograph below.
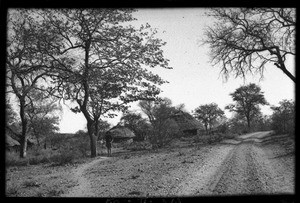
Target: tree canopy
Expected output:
[244,40]
[136,123]
[93,57]
[247,100]
[208,114]
[102,61]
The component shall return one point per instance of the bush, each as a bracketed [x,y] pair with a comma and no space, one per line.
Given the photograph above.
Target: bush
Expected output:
[83,147]
[63,158]
[12,159]
[54,192]
[136,146]
[209,139]
[34,157]
[163,133]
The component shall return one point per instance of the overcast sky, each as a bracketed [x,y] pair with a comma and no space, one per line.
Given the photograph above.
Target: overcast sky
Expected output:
[193,80]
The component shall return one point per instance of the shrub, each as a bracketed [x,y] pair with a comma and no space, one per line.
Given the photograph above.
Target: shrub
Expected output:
[136,146]
[39,156]
[209,139]
[38,160]
[54,192]
[12,159]
[283,117]
[83,148]
[163,133]
[63,158]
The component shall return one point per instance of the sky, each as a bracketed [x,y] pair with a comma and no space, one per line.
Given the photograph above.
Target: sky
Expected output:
[193,81]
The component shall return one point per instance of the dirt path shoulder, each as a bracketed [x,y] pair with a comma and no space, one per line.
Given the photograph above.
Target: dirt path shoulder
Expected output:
[249,166]
[82,189]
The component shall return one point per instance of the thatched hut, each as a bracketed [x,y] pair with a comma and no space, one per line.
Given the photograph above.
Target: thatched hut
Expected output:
[187,124]
[121,134]
[11,144]
[12,140]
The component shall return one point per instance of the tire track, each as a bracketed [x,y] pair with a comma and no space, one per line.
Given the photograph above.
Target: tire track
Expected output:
[241,177]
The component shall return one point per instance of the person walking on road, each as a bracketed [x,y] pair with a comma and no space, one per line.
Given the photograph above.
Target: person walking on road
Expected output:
[108,140]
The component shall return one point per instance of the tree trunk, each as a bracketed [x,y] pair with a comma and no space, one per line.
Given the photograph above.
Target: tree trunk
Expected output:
[23,147]
[93,140]
[23,140]
[248,124]
[97,128]
[37,139]
[206,129]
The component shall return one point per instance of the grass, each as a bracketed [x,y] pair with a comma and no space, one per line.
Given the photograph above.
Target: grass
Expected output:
[35,157]
[67,154]
[12,191]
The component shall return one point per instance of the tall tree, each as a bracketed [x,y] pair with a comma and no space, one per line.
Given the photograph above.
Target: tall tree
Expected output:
[26,65]
[247,100]
[101,61]
[244,40]
[208,114]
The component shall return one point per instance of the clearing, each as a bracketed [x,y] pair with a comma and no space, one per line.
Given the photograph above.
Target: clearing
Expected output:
[256,163]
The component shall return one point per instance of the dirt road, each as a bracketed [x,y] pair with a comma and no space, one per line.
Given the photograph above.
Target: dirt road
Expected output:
[257,163]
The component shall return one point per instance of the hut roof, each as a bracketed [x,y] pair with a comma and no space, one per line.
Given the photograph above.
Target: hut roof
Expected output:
[11,142]
[185,121]
[121,132]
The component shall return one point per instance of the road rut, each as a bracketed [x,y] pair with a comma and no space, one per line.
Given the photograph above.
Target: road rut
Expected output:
[252,164]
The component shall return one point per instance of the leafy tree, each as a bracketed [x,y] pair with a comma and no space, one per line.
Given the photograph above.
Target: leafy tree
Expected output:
[101,61]
[244,40]
[283,117]
[262,123]
[247,100]
[26,65]
[208,114]
[159,113]
[103,126]
[42,116]
[237,124]
[136,123]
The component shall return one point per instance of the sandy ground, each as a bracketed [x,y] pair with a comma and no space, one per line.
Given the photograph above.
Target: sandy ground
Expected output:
[246,167]
[257,163]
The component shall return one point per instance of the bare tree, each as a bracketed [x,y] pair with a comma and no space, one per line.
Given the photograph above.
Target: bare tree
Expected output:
[244,40]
